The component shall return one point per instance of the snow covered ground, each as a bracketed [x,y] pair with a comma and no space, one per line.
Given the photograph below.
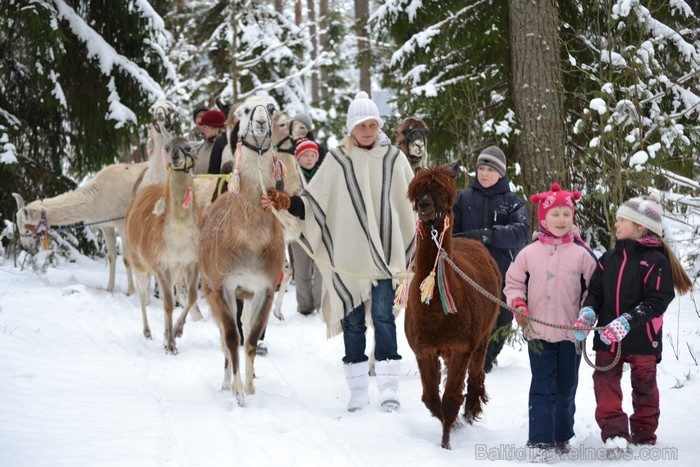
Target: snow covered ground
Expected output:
[80,386]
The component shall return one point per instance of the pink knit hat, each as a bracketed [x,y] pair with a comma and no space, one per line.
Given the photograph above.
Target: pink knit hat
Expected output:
[303,145]
[551,199]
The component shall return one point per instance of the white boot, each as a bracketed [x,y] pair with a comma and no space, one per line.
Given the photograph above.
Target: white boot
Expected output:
[388,383]
[357,376]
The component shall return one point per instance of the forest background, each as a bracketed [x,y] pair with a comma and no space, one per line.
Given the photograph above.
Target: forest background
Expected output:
[599,95]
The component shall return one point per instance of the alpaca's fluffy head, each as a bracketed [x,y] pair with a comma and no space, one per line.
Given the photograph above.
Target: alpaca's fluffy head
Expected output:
[163,113]
[256,115]
[285,132]
[433,193]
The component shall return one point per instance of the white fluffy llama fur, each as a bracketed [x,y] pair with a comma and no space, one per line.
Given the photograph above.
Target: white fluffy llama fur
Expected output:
[165,245]
[241,249]
[105,196]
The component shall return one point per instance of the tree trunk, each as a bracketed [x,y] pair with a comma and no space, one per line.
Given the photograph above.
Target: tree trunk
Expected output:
[323,12]
[363,48]
[279,6]
[538,93]
[311,18]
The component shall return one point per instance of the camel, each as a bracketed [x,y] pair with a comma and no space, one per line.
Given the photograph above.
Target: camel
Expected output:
[241,249]
[457,331]
[164,242]
[412,139]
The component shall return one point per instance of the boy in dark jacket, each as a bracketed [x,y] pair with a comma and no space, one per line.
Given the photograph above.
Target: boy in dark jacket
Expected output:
[490,212]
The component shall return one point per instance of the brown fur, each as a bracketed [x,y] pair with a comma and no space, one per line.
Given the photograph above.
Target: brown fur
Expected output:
[460,339]
[165,245]
[241,255]
[416,151]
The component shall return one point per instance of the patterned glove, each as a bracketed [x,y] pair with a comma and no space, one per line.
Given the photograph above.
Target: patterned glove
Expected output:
[520,305]
[279,199]
[615,331]
[586,319]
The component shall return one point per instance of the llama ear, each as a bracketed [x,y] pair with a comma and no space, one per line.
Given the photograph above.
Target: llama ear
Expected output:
[454,169]
[164,131]
[20,201]
[271,109]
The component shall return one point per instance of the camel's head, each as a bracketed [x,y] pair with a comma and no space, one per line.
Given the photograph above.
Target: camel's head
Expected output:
[256,115]
[412,138]
[162,114]
[433,193]
[26,222]
[181,154]
[285,131]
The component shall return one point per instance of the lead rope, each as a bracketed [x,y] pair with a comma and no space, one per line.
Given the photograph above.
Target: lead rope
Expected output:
[580,347]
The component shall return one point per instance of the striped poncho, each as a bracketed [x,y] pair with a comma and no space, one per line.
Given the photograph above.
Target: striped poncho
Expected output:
[358,219]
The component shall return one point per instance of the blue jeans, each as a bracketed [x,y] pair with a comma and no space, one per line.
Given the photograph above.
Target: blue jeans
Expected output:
[553,392]
[354,327]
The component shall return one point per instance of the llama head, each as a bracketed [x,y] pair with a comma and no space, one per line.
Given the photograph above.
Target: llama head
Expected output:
[181,154]
[285,131]
[26,218]
[256,115]
[433,193]
[162,114]
[412,138]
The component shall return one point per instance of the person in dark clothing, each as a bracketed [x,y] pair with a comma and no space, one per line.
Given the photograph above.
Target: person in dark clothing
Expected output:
[303,118]
[490,212]
[629,292]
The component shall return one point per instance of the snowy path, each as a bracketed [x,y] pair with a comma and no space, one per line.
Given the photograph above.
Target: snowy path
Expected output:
[79,386]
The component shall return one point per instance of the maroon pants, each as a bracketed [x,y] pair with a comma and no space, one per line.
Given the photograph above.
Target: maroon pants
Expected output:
[645,398]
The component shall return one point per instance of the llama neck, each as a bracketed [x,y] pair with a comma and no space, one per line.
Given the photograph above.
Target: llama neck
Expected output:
[178,184]
[156,168]
[427,251]
[250,166]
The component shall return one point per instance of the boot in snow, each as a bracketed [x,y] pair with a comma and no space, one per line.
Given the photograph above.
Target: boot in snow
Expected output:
[388,384]
[357,376]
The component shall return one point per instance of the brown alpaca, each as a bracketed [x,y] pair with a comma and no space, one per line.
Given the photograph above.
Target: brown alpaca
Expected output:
[241,250]
[165,244]
[412,139]
[460,339]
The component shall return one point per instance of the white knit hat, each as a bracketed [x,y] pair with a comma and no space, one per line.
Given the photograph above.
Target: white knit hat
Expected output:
[643,210]
[362,109]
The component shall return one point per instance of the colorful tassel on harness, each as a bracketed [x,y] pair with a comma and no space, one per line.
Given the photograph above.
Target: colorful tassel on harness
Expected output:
[234,185]
[278,169]
[427,287]
[187,200]
[159,207]
[401,295]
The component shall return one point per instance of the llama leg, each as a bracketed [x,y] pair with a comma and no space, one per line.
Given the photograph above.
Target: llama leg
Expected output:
[127,264]
[453,396]
[191,279]
[224,310]
[166,290]
[111,242]
[476,392]
[258,317]
[429,369]
[142,287]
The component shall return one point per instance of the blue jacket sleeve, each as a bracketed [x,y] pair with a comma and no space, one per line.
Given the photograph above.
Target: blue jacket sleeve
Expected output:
[516,230]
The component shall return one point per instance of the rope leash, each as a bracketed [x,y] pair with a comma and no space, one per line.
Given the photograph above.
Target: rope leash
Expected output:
[580,346]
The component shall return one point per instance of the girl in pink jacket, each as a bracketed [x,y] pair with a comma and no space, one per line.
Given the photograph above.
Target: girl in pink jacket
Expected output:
[547,281]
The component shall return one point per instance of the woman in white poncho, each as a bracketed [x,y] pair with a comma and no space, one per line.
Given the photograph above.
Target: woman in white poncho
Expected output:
[358,219]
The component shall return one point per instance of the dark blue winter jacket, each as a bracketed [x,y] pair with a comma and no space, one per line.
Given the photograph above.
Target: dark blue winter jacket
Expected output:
[496,216]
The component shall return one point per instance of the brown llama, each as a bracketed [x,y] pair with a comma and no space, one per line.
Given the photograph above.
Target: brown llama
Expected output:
[412,139]
[460,338]
[241,250]
[163,238]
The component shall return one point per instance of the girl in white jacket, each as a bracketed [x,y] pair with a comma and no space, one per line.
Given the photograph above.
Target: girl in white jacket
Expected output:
[547,281]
